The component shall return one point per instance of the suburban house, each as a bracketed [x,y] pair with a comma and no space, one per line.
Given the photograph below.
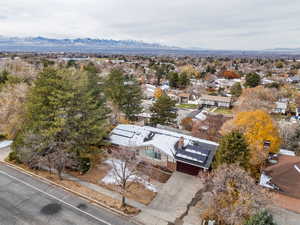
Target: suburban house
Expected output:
[219,101]
[183,98]
[281,107]
[149,90]
[283,174]
[294,79]
[297,111]
[169,149]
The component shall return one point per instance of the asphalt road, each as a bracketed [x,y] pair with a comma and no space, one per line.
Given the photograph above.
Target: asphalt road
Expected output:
[25,200]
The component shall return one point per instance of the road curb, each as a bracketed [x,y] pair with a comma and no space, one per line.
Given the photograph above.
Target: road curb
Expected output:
[45,180]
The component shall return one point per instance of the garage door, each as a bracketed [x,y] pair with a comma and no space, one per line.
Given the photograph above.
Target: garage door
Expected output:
[187,168]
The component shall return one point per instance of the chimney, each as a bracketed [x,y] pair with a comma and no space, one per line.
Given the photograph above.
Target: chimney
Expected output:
[181,143]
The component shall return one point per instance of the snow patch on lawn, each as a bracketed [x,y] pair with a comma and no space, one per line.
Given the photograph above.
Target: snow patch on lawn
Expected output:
[4,144]
[111,178]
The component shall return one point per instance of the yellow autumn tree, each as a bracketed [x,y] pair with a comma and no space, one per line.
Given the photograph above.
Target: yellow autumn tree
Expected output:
[158,92]
[190,70]
[258,128]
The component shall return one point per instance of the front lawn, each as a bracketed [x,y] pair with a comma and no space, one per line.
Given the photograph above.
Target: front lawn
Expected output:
[187,106]
[224,111]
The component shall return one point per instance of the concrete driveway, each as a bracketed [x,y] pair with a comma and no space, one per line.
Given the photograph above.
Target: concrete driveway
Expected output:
[172,200]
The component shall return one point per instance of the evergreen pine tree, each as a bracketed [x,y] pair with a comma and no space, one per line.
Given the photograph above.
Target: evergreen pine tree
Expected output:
[64,115]
[236,89]
[124,93]
[233,148]
[163,111]
[173,79]
[183,80]
[114,88]
[252,80]
[131,104]
[3,77]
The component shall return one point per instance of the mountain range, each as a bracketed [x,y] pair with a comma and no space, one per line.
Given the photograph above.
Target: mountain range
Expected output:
[77,43]
[109,46]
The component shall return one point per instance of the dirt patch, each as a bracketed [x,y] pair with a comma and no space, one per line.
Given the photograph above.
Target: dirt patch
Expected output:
[136,191]
[94,175]
[110,202]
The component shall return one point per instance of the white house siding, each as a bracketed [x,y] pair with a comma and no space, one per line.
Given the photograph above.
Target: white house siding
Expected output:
[207,102]
[224,104]
[215,103]
[140,153]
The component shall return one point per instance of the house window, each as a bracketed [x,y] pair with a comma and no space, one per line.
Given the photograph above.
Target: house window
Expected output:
[153,154]
[137,152]
[157,155]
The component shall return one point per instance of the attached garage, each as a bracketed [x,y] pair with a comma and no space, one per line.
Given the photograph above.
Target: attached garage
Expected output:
[187,168]
[194,156]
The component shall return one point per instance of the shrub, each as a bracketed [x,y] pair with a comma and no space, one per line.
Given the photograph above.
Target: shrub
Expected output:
[187,123]
[13,156]
[261,218]
[84,164]
[2,137]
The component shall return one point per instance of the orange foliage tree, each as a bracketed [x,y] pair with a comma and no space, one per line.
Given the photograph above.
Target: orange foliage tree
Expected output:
[230,74]
[158,92]
[187,123]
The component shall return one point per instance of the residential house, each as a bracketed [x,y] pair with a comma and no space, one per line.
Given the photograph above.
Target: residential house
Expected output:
[219,101]
[169,149]
[294,79]
[283,175]
[183,98]
[281,107]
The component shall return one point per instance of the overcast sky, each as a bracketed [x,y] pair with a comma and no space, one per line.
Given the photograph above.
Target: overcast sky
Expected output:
[214,24]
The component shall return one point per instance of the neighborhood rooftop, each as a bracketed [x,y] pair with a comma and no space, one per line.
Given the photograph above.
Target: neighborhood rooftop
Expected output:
[216,98]
[195,151]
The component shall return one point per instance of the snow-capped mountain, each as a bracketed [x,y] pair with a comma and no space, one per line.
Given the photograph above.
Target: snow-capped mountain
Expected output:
[83,42]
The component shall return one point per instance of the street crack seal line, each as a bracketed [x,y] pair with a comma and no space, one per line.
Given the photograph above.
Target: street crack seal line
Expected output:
[52,196]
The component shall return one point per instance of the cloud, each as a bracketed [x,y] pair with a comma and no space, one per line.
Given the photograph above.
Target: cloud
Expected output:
[217,24]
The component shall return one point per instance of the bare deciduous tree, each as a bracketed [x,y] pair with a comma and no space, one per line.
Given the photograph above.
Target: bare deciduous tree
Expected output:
[12,98]
[210,127]
[256,98]
[290,135]
[125,170]
[35,154]
[234,197]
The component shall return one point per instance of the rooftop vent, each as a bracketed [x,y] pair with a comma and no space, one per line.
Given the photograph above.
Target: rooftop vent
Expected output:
[149,137]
